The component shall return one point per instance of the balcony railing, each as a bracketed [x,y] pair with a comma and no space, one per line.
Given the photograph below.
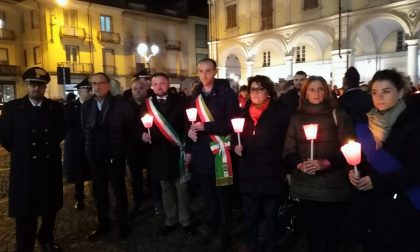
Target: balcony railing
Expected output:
[7,34]
[72,32]
[111,37]
[173,45]
[82,68]
[9,70]
[109,69]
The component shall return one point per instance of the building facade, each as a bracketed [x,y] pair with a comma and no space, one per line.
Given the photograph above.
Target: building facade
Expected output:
[86,37]
[321,37]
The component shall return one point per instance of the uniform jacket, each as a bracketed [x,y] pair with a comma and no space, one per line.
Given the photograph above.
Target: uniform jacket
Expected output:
[330,185]
[223,105]
[32,135]
[262,170]
[164,156]
[385,213]
[76,166]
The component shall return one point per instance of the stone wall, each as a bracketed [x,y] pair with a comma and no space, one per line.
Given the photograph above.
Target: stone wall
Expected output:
[4,172]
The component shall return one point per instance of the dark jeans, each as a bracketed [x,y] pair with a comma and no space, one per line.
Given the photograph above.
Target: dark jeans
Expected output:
[156,189]
[103,174]
[322,224]
[136,171]
[26,231]
[218,203]
[255,207]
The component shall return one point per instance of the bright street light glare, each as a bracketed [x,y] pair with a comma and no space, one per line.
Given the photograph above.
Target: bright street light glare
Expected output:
[155,49]
[142,48]
[62,3]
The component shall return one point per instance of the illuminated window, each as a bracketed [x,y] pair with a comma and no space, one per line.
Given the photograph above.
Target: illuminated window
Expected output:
[72,54]
[231,16]
[2,20]
[4,56]
[106,23]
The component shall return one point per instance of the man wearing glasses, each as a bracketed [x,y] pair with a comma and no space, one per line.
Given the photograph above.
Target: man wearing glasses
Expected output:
[31,129]
[108,125]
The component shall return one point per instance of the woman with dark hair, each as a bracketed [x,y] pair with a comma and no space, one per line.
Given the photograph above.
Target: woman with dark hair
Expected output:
[262,169]
[385,212]
[320,184]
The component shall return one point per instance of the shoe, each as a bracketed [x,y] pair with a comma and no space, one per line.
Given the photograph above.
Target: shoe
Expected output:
[167,230]
[97,234]
[157,211]
[190,230]
[47,247]
[79,205]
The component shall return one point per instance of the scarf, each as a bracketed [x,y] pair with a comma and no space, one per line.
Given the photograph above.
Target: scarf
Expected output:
[255,112]
[381,122]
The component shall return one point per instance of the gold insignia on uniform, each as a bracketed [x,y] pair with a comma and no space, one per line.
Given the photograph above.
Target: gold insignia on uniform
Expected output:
[39,72]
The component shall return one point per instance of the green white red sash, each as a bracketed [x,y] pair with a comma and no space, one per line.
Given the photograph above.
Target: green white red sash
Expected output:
[169,133]
[219,146]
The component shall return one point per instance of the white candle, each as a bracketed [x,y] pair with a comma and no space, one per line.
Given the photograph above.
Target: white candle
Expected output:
[147,121]
[352,151]
[192,114]
[238,126]
[310,133]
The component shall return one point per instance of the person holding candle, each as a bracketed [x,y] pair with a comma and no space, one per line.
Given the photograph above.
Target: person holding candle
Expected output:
[385,211]
[262,170]
[167,153]
[320,184]
[215,99]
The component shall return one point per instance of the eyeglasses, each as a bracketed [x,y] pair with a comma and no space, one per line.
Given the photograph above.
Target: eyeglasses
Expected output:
[258,90]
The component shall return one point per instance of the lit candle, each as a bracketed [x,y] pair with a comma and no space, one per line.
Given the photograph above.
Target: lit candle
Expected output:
[147,121]
[352,152]
[192,114]
[238,126]
[310,133]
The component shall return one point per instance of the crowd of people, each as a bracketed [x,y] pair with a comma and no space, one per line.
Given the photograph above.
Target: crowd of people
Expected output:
[375,207]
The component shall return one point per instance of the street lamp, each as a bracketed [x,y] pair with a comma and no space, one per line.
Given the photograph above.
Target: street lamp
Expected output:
[142,50]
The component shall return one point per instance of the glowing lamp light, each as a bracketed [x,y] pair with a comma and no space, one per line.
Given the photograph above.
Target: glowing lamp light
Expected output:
[310,133]
[142,48]
[147,121]
[192,114]
[352,151]
[62,3]
[238,127]
[155,49]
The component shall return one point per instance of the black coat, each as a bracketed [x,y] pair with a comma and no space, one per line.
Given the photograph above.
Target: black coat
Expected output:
[32,135]
[139,152]
[291,99]
[75,164]
[116,121]
[164,156]
[375,213]
[223,105]
[356,103]
[262,169]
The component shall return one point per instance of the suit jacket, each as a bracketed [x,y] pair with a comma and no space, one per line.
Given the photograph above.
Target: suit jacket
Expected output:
[164,156]
[32,135]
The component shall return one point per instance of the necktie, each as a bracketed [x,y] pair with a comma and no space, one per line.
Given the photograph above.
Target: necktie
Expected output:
[161,101]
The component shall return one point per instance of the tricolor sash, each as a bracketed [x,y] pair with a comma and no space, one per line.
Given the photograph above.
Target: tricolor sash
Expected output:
[219,146]
[382,161]
[171,135]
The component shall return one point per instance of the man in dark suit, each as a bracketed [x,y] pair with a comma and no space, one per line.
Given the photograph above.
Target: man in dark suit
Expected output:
[291,98]
[31,129]
[108,124]
[167,145]
[354,101]
[76,166]
[223,105]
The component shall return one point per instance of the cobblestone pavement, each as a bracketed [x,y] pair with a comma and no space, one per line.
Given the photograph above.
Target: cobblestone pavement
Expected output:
[72,227]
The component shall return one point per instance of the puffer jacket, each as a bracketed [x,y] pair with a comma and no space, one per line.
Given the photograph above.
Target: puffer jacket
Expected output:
[329,185]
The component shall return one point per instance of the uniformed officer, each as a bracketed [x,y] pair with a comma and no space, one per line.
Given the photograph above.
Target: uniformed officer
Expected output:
[76,165]
[31,129]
